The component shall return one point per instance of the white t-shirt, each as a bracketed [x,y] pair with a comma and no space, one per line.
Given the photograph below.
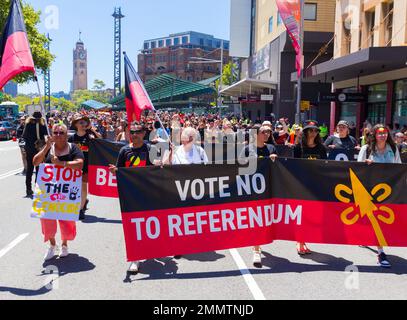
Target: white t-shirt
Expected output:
[196,155]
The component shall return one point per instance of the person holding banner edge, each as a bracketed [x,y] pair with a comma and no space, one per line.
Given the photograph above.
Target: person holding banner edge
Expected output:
[61,153]
[342,139]
[136,154]
[381,149]
[260,149]
[310,147]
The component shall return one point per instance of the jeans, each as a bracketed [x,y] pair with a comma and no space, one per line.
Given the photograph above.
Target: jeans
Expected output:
[30,170]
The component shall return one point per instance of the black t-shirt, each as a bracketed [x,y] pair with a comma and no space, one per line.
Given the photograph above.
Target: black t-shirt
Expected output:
[74,154]
[30,135]
[317,152]
[264,152]
[130,157]
[347,143]
[83,144]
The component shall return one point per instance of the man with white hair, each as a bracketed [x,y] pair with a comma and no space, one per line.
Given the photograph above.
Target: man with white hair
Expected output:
[188,152]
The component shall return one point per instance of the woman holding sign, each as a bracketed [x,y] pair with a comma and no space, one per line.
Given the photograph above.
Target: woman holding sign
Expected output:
[61,153]
[381,149]
[84,133]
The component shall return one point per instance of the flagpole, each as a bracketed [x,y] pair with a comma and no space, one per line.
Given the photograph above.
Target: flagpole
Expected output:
[299,85]
[148,97]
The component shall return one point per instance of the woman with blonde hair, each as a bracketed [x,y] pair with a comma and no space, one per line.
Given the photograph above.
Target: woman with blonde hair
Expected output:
[59,152]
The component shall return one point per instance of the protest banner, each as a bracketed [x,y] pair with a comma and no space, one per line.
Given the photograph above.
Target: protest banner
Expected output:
[343,154]
[102,183]
[57,193]
[200,208]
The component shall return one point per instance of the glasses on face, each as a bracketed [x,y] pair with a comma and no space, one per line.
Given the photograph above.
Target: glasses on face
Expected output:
[59,133]
[136,131]
[82,123]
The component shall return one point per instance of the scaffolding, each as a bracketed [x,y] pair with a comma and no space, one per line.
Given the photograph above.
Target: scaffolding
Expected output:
[117,15]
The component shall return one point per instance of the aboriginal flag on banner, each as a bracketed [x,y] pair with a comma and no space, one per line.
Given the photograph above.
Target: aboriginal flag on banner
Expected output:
[137,99]
[15,53]
[191,209]
[102,153]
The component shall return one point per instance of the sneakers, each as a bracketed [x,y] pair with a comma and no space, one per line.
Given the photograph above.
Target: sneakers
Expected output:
[257,259]
[64,252]
[30,194]
[51,252]
[134,267]
[82,215]
[382,260]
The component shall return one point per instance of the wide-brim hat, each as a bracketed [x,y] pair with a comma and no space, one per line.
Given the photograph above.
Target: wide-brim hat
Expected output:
[311,125]
[79,117]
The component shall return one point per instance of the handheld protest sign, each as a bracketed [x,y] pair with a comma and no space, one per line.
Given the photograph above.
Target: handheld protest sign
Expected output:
[57,193]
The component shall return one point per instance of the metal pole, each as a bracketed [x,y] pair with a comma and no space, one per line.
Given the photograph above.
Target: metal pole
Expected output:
[42,104]
[299,85]
[221,77]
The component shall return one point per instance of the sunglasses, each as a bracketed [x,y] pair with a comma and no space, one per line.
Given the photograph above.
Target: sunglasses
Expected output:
[59,133]
[136,131]
[82,123]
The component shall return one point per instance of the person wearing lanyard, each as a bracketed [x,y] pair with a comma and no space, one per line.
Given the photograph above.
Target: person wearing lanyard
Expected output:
[380,149]
[134,155]
[60,152]
[84,133]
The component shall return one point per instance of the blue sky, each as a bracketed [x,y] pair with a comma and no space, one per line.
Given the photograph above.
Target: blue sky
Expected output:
[144,20]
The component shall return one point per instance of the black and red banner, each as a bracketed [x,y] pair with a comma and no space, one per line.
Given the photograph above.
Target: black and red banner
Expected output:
[102,183]
[191,209]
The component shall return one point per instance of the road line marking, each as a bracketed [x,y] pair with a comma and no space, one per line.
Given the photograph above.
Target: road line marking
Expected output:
[247,276]
[13,244]
[9,149]
[10,173]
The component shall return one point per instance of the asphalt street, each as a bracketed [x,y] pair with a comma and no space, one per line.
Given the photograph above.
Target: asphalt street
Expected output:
[96,268]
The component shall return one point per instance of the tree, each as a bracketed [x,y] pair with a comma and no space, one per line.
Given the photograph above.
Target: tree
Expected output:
[98,84]
[80,96]
[228,77]
[42,58]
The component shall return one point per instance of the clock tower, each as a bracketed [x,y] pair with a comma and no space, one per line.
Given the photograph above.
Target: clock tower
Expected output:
[80,67]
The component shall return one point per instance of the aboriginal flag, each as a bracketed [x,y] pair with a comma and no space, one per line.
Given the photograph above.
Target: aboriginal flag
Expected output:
[15,53]
[137,99]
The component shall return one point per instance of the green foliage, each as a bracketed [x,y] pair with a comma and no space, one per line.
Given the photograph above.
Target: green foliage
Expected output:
[42,58]
[98,84]
[228,78]
[80,96]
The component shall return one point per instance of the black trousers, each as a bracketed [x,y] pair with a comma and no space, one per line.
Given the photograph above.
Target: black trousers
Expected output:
[30,170]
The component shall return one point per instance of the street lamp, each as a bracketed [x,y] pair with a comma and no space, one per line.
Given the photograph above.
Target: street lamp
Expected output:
[199,60]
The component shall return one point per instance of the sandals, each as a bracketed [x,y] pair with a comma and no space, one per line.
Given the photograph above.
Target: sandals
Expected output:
[302,249]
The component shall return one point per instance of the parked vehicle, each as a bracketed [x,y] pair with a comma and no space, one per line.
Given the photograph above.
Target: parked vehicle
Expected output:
[6,130]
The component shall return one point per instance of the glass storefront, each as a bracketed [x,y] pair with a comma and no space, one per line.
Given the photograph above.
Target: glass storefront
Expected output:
[376,106]
[400,103]
[349,109]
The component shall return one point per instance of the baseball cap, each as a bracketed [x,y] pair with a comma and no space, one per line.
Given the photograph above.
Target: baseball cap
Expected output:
[343,123]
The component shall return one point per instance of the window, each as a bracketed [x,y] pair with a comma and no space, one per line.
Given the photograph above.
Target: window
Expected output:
[160,43]
[201,42]
[218,44]
[168,42]
[209,43]
[278,19]
[310,11]
[146,45]
[400,103]
[184,40]
[176,41]
[271,20]
[153,45]
[226,45]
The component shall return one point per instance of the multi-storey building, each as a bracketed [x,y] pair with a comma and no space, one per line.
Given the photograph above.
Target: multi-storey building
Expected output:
[173,55]
[260,39]
[370,58]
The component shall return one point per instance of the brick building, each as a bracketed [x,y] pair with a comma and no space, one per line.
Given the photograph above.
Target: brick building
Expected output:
[172,55]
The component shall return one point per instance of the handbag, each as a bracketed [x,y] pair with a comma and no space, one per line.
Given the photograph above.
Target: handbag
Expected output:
[39,143]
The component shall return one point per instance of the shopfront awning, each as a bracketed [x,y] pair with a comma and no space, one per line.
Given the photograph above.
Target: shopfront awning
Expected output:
[362,63]
[248,86]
